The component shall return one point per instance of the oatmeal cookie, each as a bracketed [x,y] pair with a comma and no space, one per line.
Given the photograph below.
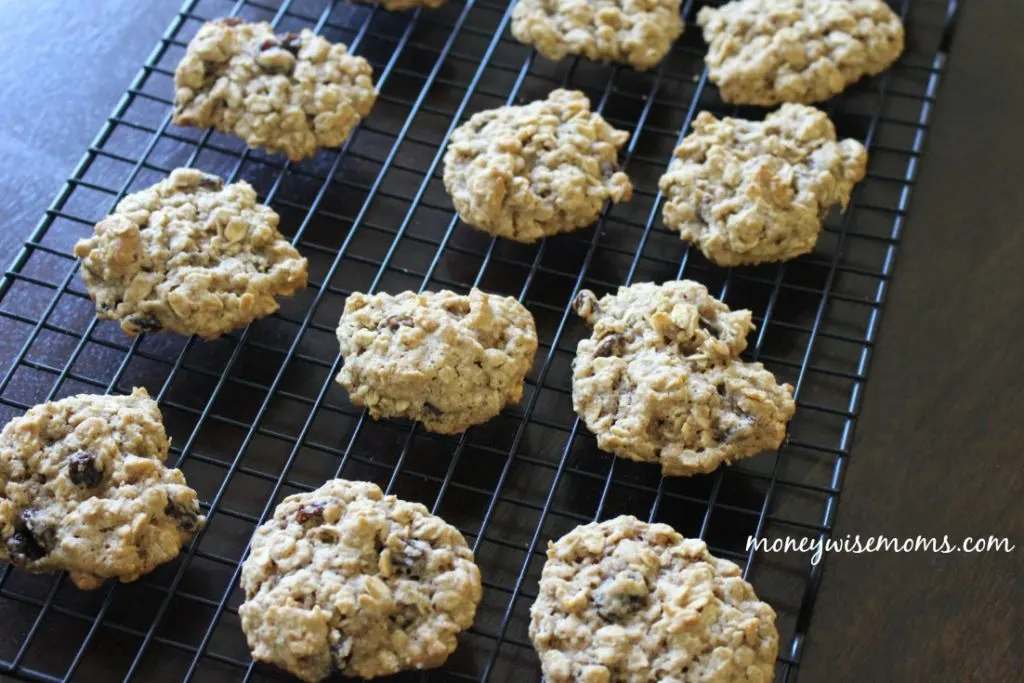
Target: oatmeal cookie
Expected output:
[632,602]
[770,51]
[531,171]
[635,32]
[345,579]
[84,489]
[447,360]
[291,93]
[190,255]
[660,379]
[748,192]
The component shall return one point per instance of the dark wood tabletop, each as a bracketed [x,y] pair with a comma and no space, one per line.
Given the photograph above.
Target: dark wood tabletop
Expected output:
[938,447]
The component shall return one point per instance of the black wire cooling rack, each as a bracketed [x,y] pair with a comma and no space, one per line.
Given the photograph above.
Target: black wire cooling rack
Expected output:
[256,416]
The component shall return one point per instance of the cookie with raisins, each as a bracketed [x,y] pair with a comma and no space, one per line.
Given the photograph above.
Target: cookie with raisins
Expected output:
[282,92]
[189,254]
[660,379]
[448,360]
[345,579]
[84,488]
[632,602]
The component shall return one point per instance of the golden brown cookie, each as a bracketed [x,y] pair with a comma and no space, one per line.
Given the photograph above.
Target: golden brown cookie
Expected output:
[83,488]
[345,579]
[770,51]
[660,379]
[292,93]
[189,255]
[749,192]
[635,32]
[531,171]
[628,602]
[447,360]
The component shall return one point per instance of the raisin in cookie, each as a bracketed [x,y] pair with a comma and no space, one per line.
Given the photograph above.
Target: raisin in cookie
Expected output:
[447,360]
[291,93]
[660,379]
[770,51]
[190,255]
[530,171]
[635,32]
[83,488]
[749,192]
[345,579]
[631,602]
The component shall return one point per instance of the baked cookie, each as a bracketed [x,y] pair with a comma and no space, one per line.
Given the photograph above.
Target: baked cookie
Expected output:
[749,192]
[83,488]
[635,32]
[189,255]
[631,602]
[770,51]
[660,379]
[531,171]
[345,579]
[290,93]
[447,360]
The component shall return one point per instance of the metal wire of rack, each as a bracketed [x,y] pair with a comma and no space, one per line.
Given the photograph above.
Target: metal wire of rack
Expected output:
[256,416]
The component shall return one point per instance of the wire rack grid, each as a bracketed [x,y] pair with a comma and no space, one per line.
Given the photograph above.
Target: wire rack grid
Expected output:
[256,415]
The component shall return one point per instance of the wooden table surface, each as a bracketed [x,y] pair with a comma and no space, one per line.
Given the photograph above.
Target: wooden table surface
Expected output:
[938,446]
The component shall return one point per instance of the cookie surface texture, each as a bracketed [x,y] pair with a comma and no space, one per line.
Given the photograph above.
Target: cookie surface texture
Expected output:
[292,93]
[530,171]
[632,602]
[635,32]
[345,579]
[189,255]
[747,192]
[447,360]
[83,488]
[660,379]
[766,52]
